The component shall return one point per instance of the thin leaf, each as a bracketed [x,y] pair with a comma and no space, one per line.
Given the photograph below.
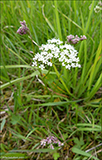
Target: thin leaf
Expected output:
[62,81]
[94,65]
[97,85]
[19,80]
[50,25]
[79,151]
[2,124]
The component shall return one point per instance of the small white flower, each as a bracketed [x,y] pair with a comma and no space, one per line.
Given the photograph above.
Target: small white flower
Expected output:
[77,59]
[56,55]
[57,41]
[42,66]
[61,59]
[43,53]
[49,64]
[78,65]
[63,64]
[34,63]
[50,55]
[73,65]
[68,67]
[97,9]
[44,61]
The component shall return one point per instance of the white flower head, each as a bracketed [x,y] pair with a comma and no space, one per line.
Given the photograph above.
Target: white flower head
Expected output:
[56,50]
[97,9]
[42,66]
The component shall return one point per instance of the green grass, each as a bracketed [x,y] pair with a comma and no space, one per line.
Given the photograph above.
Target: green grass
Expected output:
[63,103]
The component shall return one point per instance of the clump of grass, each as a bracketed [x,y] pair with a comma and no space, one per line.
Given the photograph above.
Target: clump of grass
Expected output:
[64,103]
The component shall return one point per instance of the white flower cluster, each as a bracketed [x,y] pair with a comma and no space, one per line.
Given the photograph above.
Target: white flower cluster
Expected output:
[54,49]
[97,8]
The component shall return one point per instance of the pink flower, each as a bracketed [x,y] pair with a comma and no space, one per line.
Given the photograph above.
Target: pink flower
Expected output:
[70,37]
[75,39]
[83,37]
[23,29]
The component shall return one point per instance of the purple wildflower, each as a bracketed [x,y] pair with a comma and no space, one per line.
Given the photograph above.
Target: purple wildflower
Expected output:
[83,37]
[70,37]
[31,52]
[51,140]
[51,146]
[60,144]
[23,29]
[23,23]
[75,39]
[43,142]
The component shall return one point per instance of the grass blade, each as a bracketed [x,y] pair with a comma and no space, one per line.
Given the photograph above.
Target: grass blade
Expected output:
[19,80]
[83,153]
[57,20]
